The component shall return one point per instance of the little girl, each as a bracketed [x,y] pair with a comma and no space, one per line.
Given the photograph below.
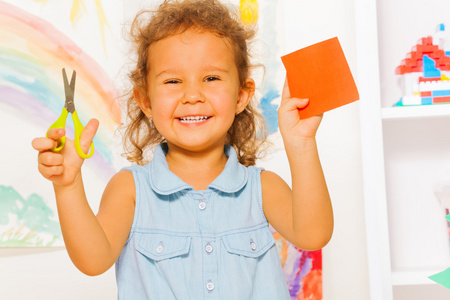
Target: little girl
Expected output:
[193,223]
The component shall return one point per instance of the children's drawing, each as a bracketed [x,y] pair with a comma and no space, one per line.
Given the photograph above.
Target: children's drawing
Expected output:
[249,11]
[270,32]
[34,221]
[78,9]
[32,54]
[425,72]
[302,269]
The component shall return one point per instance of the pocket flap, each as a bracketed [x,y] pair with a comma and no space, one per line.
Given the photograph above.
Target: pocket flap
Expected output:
[252,244]
[158,246]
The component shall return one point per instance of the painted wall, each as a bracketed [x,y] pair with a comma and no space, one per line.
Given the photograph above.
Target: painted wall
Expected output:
[49,274]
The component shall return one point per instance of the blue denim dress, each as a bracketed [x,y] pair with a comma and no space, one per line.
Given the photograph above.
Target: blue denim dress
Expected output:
[209,244]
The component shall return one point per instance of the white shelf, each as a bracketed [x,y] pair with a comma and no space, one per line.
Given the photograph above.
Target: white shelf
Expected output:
[419,111]
[413,277]
[397,153]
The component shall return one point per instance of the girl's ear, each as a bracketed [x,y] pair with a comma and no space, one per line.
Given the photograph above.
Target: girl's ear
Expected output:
[143,101]
[245,95]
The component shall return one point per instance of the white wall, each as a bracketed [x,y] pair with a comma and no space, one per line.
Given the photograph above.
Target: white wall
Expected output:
[344,258]
[49,274]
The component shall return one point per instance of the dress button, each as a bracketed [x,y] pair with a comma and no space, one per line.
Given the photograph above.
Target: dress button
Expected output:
[160,248]
[253,245]
[208,248]
[202,205]
[210,286]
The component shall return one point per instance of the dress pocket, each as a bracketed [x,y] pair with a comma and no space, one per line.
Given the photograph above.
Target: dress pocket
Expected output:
[159,247]
[250,244]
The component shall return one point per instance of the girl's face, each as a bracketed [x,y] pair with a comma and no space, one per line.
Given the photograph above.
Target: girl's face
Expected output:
[193,90]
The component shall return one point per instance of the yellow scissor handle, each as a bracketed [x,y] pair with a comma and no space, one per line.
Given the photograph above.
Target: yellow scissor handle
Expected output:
[78,129]
[60,123]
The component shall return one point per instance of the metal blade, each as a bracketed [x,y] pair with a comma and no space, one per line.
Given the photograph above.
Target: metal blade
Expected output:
[69,91]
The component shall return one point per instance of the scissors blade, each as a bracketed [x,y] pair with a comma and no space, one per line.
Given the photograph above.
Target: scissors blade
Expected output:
[69,91]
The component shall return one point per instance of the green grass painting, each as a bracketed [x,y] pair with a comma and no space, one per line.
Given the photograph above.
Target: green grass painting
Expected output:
[26,222]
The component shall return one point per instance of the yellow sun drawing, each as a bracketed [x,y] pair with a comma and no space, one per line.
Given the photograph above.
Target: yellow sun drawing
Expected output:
[249,11]
[77,11]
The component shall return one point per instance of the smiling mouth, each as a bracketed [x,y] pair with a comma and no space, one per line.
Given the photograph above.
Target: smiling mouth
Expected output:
[193,119]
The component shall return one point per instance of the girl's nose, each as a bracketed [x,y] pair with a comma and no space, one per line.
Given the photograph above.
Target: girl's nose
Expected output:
[192,95]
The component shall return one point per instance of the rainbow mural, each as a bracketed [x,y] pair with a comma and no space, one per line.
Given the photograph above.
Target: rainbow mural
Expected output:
[32,55]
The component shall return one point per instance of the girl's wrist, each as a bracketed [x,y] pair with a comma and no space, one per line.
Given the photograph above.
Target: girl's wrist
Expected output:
[70,187]
[299,142]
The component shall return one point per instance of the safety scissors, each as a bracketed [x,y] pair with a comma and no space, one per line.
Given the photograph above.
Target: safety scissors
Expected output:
[69,107]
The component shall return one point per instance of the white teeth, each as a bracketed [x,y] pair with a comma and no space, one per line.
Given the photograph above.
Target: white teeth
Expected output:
[193,119]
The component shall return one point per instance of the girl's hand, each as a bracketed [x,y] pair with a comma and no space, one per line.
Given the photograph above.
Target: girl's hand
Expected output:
[64,166]
[291,126]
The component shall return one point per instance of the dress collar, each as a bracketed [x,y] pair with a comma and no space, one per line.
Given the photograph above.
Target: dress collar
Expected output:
[232,179]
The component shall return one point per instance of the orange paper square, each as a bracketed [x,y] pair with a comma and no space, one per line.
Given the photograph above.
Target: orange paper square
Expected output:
[320,73]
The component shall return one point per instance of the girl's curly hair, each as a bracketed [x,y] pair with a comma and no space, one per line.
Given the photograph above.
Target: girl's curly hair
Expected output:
[247,133]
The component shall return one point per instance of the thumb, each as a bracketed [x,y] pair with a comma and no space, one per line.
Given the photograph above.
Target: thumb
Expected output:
[285,94]
[87,135]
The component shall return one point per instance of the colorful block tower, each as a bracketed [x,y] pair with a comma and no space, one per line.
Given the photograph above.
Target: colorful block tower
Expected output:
[426,72]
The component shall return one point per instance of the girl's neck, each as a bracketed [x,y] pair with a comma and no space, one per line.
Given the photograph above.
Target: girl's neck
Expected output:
[197,169]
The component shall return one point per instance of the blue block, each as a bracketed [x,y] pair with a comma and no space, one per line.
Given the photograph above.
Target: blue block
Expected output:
[427,100]
[441,93]
[429,68]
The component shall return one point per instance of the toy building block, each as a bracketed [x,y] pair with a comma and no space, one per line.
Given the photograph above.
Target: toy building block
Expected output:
[442,93]
[429,79]
[411,100]
[439,100]
[413,61]
[429,68]
[439,36]
[427,100]
[425,72]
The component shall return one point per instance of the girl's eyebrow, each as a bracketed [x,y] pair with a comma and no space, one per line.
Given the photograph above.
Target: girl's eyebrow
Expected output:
[210,68]
[213,68]
[167,72]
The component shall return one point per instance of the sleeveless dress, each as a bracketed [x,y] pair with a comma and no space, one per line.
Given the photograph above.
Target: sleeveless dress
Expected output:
[209,244]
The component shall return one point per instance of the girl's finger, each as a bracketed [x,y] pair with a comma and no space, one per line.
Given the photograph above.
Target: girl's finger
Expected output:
[56,133]
[50,159]
[48,172]
[43,144]
[294,104]
[88,133]
[285,94]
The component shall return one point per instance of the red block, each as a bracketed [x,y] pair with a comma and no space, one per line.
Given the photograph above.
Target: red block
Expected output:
[441,99]
[424,79]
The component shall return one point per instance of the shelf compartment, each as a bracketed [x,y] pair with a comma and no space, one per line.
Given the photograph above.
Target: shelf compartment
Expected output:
[419,111]
[414,277]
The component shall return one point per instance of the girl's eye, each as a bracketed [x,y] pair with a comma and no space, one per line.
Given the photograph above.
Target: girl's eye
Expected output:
[212,78]
[171,81]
